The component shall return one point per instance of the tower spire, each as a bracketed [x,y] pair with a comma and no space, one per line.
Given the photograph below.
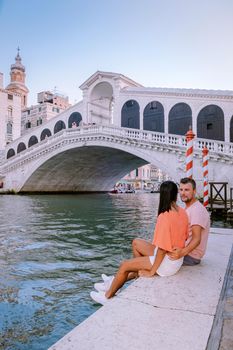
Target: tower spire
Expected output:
[18,75]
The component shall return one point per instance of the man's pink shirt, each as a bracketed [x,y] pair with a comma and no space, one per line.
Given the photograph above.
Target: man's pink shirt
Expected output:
[198,215]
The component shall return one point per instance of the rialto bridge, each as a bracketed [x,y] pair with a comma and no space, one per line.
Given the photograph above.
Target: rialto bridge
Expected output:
[118,126]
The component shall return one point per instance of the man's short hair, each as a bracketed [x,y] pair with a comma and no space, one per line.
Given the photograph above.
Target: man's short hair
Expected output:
[187,180]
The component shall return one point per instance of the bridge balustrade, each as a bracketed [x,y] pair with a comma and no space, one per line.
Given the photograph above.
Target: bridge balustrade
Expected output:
[128,133]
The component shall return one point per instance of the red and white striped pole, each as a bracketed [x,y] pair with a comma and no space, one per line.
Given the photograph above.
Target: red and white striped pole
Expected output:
[205,157]
[189,153]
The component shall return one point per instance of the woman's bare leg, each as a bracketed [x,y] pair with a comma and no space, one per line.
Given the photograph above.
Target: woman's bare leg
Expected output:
[132,265]
[141,247]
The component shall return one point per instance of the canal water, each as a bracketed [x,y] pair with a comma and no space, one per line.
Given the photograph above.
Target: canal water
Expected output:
[53,248]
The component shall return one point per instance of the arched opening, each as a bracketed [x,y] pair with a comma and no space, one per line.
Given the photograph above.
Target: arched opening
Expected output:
[74,120]
[130,115]
[100,108]
[32,141]
[10,153]
[231,130]
[21,147]
[45,133]
[179,119]
[153,117]
[210,123]
[59,126]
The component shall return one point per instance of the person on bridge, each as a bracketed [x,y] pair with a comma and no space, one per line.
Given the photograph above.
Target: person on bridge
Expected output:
[171,231]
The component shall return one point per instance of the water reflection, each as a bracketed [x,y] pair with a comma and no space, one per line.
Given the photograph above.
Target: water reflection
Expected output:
[53,248]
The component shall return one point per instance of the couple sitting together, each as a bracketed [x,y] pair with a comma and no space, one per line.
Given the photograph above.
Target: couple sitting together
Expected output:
[180,238]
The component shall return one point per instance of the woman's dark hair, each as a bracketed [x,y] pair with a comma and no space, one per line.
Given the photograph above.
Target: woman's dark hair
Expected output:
[168,194]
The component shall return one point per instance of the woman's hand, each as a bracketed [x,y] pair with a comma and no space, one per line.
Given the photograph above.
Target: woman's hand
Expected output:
[144,273]
[175,254]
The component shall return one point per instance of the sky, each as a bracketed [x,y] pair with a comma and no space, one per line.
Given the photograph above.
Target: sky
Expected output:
[157,43]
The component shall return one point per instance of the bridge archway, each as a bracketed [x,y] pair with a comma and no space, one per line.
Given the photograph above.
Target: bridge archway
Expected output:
[179,119]
[130,117]
[210,123]
[45,133]
[21,147]
[153,117]
[231,130]
[59,126]
[10,153]
[76,118]
[32,141]
[101,103]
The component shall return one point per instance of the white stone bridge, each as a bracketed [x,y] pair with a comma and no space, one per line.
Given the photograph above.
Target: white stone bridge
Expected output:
[93,158]
[121,126]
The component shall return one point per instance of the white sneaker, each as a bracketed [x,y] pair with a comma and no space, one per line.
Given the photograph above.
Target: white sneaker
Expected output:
[99,297]
[103,287]
[105,277]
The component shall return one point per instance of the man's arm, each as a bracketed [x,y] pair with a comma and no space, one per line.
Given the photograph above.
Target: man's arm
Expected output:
[195,241]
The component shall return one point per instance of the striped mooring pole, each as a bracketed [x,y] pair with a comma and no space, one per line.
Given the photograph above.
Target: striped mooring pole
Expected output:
[205,156]
[189,153]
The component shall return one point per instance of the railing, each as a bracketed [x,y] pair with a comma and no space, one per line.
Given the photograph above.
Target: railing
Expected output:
[150,137]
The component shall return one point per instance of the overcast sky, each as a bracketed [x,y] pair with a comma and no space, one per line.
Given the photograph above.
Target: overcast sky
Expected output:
[158,43]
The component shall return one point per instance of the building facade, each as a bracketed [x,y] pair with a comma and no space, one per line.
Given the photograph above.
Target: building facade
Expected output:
[49,105]
[10,115]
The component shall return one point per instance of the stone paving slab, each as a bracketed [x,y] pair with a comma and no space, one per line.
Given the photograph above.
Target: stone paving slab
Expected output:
[159,313]
[190,291]
[126,324]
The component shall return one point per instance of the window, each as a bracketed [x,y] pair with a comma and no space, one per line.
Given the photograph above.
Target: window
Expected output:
[39,109]
[28,111]
[39,121]
[28,125]
[209,126]
[9,128]
[10,97]
[10,111]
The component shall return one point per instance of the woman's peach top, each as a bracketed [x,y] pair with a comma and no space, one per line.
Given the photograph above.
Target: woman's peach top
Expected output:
[171,230]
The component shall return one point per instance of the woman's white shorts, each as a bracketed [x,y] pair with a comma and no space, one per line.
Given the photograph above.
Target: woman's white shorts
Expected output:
[167,267]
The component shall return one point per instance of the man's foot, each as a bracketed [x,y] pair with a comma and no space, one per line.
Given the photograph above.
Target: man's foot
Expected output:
[103,287]
[106,277]
[99,297]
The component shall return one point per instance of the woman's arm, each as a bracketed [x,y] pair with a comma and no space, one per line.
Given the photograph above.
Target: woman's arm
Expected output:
[158,259]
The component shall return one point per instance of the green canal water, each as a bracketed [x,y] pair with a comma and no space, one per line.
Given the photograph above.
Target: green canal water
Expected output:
[52,249]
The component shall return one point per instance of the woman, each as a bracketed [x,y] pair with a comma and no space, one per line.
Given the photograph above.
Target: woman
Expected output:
[171,231]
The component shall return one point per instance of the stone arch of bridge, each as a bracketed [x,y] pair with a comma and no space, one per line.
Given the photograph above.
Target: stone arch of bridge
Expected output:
[210,123]
[45,133]
[10,153]
[130,114]
[101,103]
[231,129]
[89,167]
[179,119]
[153,117]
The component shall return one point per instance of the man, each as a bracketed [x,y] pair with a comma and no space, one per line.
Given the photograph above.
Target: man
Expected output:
[199,225]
